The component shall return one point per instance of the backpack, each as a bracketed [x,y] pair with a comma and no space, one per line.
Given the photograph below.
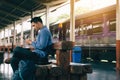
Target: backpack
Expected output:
[50,49]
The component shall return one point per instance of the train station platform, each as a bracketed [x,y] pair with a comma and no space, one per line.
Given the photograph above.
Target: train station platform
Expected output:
[99,28]
[101,71]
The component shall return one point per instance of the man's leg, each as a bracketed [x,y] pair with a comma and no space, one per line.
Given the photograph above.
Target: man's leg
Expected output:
[27,68]
[20,53]
[23,53]
[14,63]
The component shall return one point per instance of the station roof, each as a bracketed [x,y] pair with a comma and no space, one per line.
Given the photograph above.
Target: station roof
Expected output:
[13,10]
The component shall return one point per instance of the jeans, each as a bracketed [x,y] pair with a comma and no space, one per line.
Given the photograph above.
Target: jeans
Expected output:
[19,54]
[26,71]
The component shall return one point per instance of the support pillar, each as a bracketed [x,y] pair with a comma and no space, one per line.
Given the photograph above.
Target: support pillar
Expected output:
[14,35]
[47,16]
[72,21]
[0,38]
[82,33]
[8,36]
[21,39]
[5,37]
[4,41]
[117,35]
[105,29]
[32,29]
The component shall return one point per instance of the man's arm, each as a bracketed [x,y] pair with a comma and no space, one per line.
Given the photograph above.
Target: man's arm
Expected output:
[41,40]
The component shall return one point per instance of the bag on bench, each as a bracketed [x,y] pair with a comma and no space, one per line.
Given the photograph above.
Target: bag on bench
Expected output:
[50,49]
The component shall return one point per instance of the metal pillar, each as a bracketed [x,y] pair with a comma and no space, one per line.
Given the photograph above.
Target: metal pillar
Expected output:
[47,16]
[8,36]
[118,35]
[4,38]
[82,32]
[32,29]
[0,38]
[21,39]
[72,21]
[105,29]
[14,41]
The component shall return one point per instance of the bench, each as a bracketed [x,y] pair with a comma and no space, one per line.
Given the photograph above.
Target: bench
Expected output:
[63,69]
[78,71]
[48,72]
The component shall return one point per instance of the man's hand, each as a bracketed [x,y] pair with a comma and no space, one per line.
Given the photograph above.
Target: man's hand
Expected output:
[28,41]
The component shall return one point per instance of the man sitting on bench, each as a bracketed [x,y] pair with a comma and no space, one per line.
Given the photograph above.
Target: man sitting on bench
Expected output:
[38,55]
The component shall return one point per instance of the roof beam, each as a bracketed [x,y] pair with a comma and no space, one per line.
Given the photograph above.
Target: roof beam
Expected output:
[17,7]
[3,24]
[1,27]
[6,19]
[55,2]
[7,13]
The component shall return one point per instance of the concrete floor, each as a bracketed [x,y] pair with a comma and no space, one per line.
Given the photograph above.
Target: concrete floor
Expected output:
[5,69]
[101,71]
[5,72]
[104,71]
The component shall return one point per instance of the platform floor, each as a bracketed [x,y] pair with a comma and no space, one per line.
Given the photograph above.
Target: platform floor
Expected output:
[101,71]
[104,71]
[5,72]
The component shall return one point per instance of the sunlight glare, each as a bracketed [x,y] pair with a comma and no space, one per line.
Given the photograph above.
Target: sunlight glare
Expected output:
[95,4]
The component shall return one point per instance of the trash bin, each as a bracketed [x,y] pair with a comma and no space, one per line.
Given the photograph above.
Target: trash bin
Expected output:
[76,55]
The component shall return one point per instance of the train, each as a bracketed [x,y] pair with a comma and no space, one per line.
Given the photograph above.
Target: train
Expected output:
[95,28]
[95,33]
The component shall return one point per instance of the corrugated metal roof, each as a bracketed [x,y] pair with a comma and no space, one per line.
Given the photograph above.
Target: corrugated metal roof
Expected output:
[12,10]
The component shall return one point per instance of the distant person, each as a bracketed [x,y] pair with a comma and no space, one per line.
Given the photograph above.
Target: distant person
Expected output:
[38,55]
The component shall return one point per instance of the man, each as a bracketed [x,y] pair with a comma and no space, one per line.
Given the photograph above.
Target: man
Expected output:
[38,55]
